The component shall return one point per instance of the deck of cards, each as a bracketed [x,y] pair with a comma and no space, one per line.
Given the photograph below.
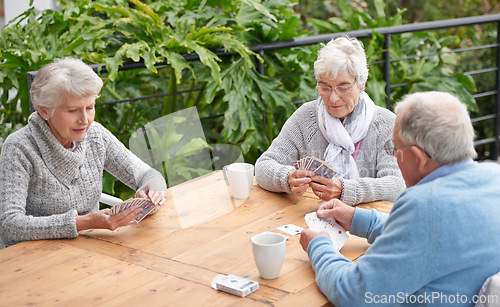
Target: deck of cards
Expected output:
[144,203]
[336,232]
[319,167]
[234,284]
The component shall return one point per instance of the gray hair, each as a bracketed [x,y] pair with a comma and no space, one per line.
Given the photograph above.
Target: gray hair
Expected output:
[61,78]
[439,123]
[339,55]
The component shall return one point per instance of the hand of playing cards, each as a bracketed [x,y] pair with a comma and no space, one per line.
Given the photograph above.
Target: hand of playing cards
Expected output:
[319,167]
[144,203]
[336,232]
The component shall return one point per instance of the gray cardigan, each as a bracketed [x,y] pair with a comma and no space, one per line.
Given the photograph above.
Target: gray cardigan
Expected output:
[43,186]
[380,177]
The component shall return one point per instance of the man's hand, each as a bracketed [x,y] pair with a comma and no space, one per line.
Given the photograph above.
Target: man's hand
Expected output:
[341,212]
[307,235]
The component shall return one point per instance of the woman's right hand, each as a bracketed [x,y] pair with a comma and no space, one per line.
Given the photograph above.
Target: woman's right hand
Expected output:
[299,181]
[103,219]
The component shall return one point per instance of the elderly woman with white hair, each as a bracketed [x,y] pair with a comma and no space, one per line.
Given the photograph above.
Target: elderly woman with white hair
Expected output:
[344,128]
[51,170]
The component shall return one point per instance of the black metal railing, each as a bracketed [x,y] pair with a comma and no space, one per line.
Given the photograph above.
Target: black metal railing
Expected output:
[387,32]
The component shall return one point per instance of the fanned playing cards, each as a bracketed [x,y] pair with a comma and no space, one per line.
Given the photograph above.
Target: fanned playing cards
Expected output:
[336,232]
[319,167]
[144,203]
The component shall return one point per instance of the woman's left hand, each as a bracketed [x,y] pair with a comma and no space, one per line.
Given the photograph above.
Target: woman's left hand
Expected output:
[156,197]
[326,189]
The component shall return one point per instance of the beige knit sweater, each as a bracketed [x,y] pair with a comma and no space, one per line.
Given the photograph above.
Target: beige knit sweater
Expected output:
[300,136]
[43,186]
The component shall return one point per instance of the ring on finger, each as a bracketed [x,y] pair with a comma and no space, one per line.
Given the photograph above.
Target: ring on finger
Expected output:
[320,194]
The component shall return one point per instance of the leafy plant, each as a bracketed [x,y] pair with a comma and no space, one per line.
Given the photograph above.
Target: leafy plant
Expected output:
[118,32]
[424,64]
[197,54]
[149,32]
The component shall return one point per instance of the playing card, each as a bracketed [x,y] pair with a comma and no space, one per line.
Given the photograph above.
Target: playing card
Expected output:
[144,203]
[325,171]
[147,207]
[307,162]
[314,164]
[298,164]
[290,229]
[120,207]
[319,167]
[337,233]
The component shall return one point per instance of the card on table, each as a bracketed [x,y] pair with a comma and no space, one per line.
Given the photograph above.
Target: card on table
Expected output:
[318,166]
[290,229]
[336,232]
[144,203]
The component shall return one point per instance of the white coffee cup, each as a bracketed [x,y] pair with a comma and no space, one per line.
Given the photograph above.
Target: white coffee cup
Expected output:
[239,177]
[269,253]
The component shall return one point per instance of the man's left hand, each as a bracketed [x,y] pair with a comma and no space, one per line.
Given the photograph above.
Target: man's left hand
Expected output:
[307,235]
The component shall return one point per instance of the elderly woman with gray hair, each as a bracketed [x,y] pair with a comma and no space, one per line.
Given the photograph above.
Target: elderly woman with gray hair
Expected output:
[344,128]
[51,170]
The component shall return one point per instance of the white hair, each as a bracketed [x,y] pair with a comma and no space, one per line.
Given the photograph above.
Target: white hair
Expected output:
[61,78]
[339,55]
[439,123]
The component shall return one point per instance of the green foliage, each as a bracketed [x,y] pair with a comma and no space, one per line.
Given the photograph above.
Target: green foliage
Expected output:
[431,69]
[418,11]
[253,106]
[461,37]
[118,32]
[174,145]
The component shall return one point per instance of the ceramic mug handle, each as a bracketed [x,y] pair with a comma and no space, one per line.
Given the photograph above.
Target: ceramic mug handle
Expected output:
[224,171]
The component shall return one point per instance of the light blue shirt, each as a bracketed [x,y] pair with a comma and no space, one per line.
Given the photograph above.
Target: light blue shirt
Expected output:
[445,170]
[438,245]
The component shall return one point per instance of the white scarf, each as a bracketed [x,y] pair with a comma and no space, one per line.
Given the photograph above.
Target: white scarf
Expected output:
[342,136]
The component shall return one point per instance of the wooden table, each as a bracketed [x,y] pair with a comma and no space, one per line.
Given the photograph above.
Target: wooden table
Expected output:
[170,258]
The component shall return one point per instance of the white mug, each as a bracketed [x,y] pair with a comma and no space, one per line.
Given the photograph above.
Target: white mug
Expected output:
[269,253]
[239,177]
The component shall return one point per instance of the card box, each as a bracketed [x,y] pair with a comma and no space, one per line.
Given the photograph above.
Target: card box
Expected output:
[235,285]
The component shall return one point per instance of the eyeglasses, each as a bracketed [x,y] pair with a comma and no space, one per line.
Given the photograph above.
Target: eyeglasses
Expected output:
[341,90]
[391,149]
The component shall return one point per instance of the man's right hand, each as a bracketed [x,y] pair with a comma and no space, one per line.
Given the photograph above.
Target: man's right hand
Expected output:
[341,212]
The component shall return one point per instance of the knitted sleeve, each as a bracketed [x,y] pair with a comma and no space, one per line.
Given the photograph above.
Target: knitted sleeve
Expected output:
[292,143]
[128,168]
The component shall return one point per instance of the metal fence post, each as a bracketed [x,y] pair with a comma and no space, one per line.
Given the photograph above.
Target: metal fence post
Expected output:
[497,102]
[387,70]
[260,69]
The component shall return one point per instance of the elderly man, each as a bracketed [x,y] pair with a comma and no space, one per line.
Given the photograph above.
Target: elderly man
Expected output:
[440,241]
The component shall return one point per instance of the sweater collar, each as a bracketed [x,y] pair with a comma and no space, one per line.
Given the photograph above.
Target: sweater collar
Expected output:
[63,163]
[446,169]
